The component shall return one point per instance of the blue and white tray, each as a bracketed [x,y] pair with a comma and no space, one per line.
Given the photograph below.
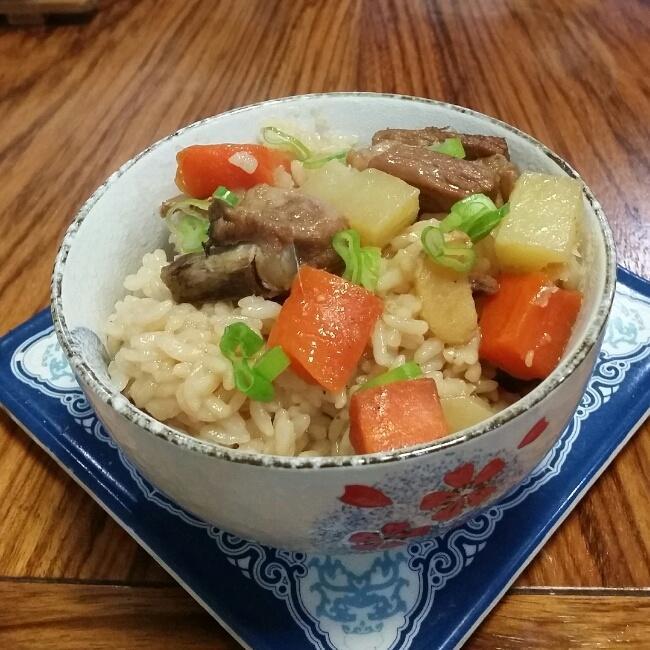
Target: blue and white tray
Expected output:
[427,595]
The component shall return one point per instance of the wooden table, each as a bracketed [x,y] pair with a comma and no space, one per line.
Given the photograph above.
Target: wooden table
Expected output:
[77,101]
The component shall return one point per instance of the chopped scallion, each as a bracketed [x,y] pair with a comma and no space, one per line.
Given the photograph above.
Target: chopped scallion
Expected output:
[361,262]
[450,147]
[187,220]
[272,363]
[315,162]
[227,196]
[475,215]
[458,257]
[188,232]
[410,370]
[274,137]
[239,344]
[454,255]
[369,274]
[239,340]
[244,376]
[481,228]
[197,207]
[256,387]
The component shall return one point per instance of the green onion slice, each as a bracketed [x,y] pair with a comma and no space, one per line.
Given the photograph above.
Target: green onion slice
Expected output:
[487,223]
[187,220]
[453,255]
[239,344]
[450,147]
[239,341]
[361,262]
[475,215]
[433,242]
[272,363]
[348,245]
[315,162]
[369,274]
[262,389]
[251,383]
[459,258]
[186,204]
[189,233]
[244,376]
[278,139]
[410,370]
[274,137]
[227,196]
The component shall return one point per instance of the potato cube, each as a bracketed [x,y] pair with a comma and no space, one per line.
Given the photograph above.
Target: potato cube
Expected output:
[447,302]
[377,205]
[381,206]
[330,183]
[541,226]
[465,411]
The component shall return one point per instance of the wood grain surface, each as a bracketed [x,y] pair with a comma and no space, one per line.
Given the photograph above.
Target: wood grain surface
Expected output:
[63,615]
[77,101]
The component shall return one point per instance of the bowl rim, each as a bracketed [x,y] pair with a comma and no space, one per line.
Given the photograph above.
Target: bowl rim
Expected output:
[125,408]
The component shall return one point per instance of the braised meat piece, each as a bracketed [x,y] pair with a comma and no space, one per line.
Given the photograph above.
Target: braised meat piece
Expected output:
[476,146]
[277,218]
[229,274]
[507,173]
[441,179]
[256,247]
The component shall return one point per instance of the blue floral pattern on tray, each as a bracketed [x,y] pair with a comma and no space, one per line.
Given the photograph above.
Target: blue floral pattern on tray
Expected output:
[382,599]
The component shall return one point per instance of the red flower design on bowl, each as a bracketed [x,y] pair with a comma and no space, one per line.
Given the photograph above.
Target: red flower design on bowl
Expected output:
[391,535]
[468,489]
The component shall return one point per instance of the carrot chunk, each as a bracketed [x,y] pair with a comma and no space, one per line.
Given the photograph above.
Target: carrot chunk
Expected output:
[324,326]
[526,325]
[396,415]
[204,167]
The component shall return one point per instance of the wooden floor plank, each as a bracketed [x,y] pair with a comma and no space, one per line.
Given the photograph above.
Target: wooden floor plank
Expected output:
[91,616]
[562,622]
[52,528]
[44,616]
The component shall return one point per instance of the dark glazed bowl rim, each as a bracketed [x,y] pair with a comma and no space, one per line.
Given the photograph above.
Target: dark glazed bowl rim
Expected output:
[124,407]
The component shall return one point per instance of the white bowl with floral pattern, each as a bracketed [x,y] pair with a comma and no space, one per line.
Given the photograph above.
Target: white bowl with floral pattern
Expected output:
[338,504]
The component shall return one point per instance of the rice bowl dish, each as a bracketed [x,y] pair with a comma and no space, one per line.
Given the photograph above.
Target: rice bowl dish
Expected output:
[310,502]
[431,261]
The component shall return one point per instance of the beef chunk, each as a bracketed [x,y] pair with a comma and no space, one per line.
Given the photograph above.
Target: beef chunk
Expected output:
[507,173]
[257,246]
[276,218]
[196,277]
[441,179]
[476,146]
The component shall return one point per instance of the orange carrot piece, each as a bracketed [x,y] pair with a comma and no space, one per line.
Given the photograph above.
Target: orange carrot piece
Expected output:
[324,326]
[526,325]
[396,415]
[204,167]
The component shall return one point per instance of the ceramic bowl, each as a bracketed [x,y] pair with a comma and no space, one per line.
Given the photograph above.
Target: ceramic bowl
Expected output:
[342,504]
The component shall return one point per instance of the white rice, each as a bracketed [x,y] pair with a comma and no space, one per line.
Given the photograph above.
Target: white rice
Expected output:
[166,359]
